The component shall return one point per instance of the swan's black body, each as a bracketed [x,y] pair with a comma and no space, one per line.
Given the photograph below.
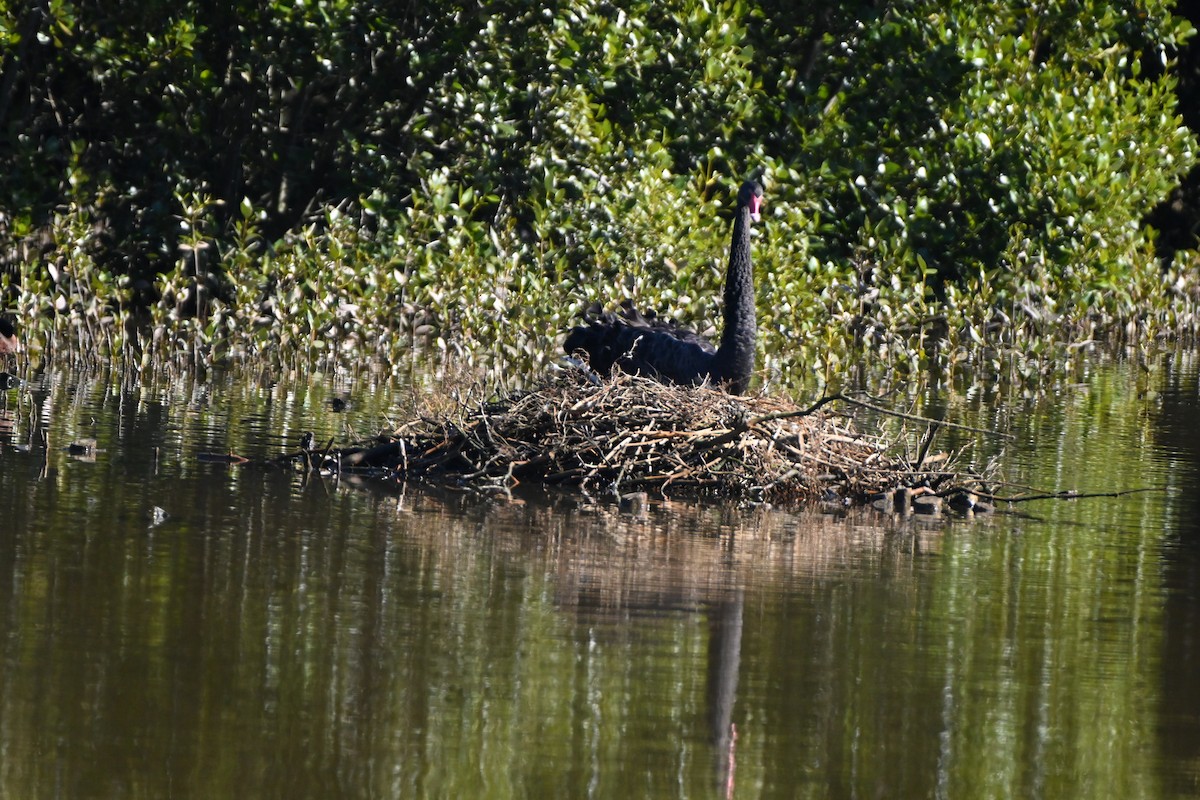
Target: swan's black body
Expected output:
[642,343]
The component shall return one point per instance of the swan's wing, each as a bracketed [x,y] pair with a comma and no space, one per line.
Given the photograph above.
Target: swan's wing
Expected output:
[641,343]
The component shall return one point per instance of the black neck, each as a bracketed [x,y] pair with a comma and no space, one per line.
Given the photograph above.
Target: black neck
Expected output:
[737,339]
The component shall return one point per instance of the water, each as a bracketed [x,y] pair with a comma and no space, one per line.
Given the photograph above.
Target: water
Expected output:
[271,634]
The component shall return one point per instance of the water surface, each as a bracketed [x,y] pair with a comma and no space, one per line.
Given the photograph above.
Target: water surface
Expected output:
[268,633]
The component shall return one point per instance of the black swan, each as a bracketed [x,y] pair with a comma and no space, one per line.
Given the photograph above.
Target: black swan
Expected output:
[642,343]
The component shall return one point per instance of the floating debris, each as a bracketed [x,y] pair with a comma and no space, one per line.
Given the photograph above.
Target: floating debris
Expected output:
[634,503]
[83,449]
[222,458]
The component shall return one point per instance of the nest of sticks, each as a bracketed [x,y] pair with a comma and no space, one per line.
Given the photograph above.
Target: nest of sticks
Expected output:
[631,434]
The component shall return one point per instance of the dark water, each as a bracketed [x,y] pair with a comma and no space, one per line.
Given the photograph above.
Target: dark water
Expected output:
[277,636]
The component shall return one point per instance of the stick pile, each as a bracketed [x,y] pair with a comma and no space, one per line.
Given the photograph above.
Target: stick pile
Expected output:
[631,434]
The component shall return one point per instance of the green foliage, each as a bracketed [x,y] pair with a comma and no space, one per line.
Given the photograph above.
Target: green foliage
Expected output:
[257,178]
[998,121]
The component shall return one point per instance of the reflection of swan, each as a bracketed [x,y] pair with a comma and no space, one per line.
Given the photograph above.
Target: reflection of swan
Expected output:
[644,344]
[724,664]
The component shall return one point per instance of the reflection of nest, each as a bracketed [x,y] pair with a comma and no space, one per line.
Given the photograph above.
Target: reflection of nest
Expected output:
[635,434]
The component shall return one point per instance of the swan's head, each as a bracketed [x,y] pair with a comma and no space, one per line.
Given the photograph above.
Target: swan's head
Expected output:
[751,196]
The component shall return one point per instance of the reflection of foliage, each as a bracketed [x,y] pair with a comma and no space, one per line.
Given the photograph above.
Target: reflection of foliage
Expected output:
[983,164]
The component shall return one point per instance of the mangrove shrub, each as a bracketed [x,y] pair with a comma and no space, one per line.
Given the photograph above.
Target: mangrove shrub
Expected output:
[363,175]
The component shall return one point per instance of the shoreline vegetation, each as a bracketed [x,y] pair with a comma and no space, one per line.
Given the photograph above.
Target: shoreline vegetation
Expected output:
[952,191]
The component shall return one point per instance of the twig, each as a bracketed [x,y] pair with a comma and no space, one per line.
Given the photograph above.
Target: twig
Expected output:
[926,442]
[1066,494]
[919,418]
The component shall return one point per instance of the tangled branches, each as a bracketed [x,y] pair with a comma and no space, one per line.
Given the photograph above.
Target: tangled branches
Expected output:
[634,434]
